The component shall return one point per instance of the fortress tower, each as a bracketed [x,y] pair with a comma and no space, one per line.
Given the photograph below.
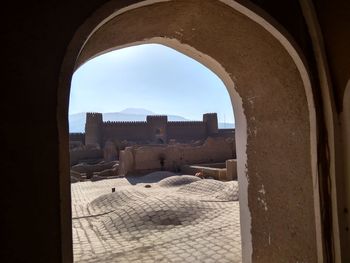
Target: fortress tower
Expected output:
[93,129]
[158,125]
[211,120]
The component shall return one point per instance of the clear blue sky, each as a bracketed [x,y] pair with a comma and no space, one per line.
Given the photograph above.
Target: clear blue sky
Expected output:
[149,76]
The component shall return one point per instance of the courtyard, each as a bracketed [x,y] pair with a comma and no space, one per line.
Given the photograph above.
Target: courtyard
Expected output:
[159,217]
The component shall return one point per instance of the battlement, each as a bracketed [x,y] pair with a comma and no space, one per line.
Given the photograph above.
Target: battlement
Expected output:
[124,123]
[94,117]
[185,123]
[157,116]
[152,118]
[93,114]
[209,116]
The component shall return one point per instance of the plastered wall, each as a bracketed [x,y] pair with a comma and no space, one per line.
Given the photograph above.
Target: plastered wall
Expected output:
[275,104]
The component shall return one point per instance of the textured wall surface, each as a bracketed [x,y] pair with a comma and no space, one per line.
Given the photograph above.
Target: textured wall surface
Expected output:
[142,158]
[183,131]
[274,103]
[127,131]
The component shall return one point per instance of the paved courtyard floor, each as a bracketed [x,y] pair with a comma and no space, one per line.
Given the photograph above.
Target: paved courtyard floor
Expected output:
[156,218]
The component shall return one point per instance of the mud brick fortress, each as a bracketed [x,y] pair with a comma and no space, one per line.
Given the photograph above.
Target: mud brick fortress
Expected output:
[155,130]
[138,145]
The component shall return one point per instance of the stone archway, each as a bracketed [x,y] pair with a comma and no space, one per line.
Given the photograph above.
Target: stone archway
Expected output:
[271,94]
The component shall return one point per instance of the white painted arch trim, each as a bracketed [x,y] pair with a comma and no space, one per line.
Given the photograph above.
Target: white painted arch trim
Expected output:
[217,68]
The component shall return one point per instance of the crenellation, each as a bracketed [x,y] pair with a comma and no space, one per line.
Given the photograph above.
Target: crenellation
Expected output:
[124,123]
[157,116]
[186,123]
[93,115]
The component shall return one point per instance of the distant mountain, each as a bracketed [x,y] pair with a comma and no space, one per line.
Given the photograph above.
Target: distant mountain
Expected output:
[137,111]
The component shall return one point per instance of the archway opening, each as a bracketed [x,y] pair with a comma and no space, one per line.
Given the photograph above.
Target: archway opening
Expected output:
[191,163]
[272,95]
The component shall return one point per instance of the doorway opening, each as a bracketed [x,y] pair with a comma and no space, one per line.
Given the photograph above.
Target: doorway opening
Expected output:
[153,186]
[270,87]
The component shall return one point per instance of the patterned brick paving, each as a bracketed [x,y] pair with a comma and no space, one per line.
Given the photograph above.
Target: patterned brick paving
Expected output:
[179,219]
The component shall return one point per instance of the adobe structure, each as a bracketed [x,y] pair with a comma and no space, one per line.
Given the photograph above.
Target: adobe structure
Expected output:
[156,129]
[293,156]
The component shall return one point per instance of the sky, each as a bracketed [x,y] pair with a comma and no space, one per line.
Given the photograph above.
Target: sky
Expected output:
[149,76]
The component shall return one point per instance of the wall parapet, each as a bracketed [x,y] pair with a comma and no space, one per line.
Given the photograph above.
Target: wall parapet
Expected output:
[93,114]
[124,123]
[185,123]
[157,116]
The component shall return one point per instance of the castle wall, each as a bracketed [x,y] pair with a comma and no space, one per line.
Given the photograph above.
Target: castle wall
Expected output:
[186,130]
[131,131]
[157,129]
